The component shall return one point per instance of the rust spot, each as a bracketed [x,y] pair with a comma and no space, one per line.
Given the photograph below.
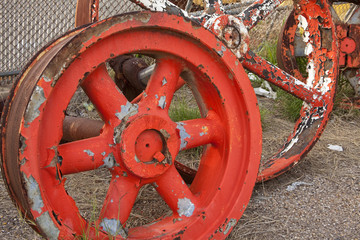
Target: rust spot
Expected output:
[326,39]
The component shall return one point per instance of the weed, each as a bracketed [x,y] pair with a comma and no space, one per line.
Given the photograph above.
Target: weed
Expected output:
[255,80]
[289,105]
[91,221]
[302,65]
[23,218]
[268,51]
[181,111]
[264,114]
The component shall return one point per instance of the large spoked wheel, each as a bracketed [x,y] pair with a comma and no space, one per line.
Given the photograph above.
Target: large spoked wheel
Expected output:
[313,21]
[138,141]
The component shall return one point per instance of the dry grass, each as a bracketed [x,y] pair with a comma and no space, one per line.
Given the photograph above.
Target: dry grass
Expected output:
[311,211]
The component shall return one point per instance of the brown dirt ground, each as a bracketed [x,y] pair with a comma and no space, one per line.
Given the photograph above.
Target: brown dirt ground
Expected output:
[326,206]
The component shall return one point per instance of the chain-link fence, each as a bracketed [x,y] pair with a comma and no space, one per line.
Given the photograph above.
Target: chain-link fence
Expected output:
[27,25]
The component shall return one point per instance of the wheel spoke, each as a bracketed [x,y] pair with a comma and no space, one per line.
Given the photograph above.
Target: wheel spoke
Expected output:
[119,201]
[176,193]
[280,78]
[198,132]
[104,93]
[163,83]
[257,12]
[85,155]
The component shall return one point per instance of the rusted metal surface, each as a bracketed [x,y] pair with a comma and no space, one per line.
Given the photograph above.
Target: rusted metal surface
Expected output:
[127,75]
[138,142]
[3,97]
[87,11]
[76,128]
[286,47]
[351,47]
[10,167]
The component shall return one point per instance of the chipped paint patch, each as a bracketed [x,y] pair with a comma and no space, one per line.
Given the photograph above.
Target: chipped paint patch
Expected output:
[89,152]
[117,135]
[162,102]
[303,24]
[291,144]
[230,224]
[36,100]
[309,49]
[23,144]
[205,130]
[23,161]
[221,52]
[164,81]
[185,207]
[33,192]
[109,161]
[47,226]
[311,73]
[144,17]
[155,5]
[127,110]
[161,6]
[113,227]
[324,83]
[177,220]
[258,11]
[183,135]
[46,78]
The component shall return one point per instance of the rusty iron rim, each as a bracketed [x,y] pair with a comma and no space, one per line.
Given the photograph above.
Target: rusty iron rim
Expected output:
[215,200]
[322,54]
[10,171]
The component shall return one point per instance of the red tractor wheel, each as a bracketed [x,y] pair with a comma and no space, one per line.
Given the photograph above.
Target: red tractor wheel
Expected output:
[313,20]
[138,142]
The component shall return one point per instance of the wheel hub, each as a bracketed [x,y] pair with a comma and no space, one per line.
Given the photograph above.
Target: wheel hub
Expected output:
[148,145]
[233,32]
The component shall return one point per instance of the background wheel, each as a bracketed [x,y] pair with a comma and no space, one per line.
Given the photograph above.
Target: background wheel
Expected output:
[318,87]
[138,142]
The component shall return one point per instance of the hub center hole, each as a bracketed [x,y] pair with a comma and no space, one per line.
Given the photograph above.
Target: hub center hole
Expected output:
[148,143]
